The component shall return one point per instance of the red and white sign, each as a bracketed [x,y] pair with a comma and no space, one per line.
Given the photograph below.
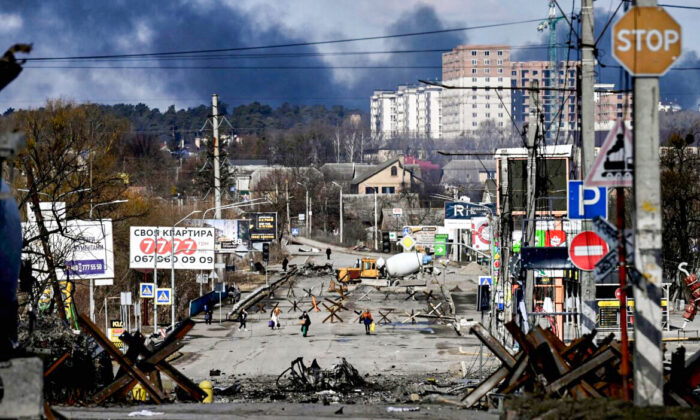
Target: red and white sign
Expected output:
[481,233]
[555,238]
[618,293]
[190,248]
[586,249]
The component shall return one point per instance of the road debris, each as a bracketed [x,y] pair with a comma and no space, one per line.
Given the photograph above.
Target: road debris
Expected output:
[340,377]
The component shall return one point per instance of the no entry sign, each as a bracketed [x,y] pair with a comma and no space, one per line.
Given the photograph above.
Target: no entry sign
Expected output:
[586,249]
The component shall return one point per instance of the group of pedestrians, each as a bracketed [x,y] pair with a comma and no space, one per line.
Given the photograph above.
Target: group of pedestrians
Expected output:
[274,323]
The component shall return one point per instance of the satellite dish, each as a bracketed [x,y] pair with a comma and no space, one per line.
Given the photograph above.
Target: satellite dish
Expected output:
[464,199]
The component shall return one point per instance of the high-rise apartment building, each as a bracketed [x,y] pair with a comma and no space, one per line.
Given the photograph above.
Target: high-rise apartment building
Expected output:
[410,111]
[481,72]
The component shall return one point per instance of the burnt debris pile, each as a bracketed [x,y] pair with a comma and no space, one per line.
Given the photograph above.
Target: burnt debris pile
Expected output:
[298,377]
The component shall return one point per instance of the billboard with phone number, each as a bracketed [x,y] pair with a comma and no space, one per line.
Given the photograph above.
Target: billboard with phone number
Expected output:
[190,248]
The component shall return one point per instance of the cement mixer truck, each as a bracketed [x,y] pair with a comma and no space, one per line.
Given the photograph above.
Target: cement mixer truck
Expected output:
[395,267]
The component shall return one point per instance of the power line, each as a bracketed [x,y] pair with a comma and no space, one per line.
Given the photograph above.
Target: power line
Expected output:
[675,6]
[276,55]
[293,44]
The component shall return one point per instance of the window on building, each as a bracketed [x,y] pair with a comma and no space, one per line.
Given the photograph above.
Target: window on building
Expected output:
[370,190]
[474,124]
[473,79]
[473,71]
[488,115]
[534,72]
[474,62]
[619,106]
[473,52]
[487,62]
[488,106]
[514,73]
[500,115]
[474,97]
[487,53]
[500,79]
[619,96]
[500,124]
[474,114]
[619,115]
[500,61]
[487,79]
[486,71]
[500,71]
[394,171]
[473,105]
[388,190]
[500,106]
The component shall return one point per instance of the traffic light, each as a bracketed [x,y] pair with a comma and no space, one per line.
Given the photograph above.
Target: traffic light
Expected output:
[266,252]
[386,243]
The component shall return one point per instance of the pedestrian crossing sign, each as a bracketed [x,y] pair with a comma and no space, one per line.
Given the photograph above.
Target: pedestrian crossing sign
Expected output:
[146,290]
[164,296]
[484,280]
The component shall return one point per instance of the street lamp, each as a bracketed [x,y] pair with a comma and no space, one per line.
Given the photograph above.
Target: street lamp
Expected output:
[306,215]
[92,281]
[93,207]
[172,267]
[341,210]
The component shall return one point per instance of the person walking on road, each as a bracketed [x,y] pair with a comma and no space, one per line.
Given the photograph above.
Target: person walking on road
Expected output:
[366,319]
[285,262]
[242,317]
[305,322]
[207,314]
[275,318]
[328,253]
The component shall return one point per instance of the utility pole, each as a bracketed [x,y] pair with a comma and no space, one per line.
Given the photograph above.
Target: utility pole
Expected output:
[289,218]
[341,215]
[217,176]
[376,244]
[588,318]
[306,216]
[648,355]
[532,134]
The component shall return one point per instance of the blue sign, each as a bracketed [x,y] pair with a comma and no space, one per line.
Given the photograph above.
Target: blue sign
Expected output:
[295,231]
[587,202]
[164,296]
[146,290]
[484,280]
[458,214]
[406,231]
[83,267]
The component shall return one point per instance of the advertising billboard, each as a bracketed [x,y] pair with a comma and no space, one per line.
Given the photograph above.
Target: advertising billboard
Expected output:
[263,227]
[191,248]
[231,235]
[83,248]
[458,215]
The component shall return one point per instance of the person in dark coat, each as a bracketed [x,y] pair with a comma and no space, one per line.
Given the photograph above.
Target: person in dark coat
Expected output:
[328,253]
[305,322]
[242,317]
[285,262]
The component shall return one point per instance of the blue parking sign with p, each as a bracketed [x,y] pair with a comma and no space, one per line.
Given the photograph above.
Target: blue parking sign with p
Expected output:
[586,202]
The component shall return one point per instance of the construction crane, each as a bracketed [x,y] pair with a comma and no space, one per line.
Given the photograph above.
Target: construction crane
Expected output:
[552,99]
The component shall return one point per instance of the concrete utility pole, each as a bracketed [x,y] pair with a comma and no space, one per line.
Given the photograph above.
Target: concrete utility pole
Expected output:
[648,356]
[217,176]
[289,218]
[376,232]
[341,215]
[532,135]
[588,318]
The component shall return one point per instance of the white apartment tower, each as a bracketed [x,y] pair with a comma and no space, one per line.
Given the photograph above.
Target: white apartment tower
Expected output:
[410,111]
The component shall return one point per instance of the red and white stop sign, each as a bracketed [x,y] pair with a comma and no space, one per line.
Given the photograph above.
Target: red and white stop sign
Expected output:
[586,249]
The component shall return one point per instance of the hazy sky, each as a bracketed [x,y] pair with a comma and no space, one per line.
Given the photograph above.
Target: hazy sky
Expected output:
[98,27]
